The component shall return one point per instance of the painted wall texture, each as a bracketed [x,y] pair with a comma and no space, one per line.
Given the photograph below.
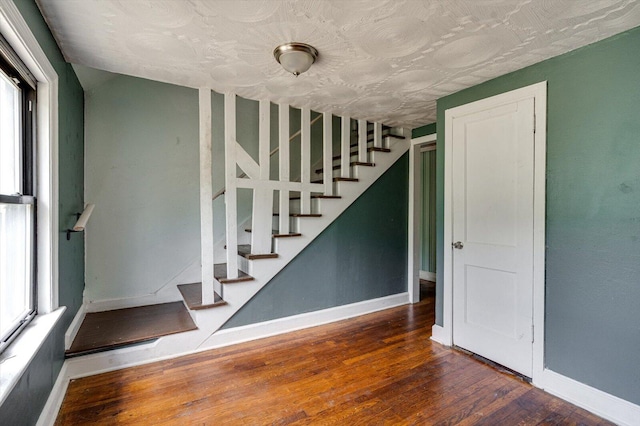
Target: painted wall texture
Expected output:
[593,209]
[24,403]
[143,176]
[362,255]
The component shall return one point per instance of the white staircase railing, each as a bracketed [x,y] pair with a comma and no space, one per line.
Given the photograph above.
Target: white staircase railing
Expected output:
[255,175]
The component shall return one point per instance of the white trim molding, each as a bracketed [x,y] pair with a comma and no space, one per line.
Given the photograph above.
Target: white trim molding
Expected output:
[51,408]
[538,92]
[605,405]
[18,356]
[278,326]
[415,201]
[71,332]
[16,31]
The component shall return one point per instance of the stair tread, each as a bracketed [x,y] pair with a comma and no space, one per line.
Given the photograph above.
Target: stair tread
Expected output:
[220,274]
[369,149]
[244,250]
[301,215]
[103,331]
[192,295]
[276,234]
[353,163]
[318,196]
[338,179]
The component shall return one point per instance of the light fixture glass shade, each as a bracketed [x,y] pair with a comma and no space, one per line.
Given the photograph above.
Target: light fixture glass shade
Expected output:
[295,57]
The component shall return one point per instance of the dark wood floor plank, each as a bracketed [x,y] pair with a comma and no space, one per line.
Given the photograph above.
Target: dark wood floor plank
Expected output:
[375,369]
[122,327]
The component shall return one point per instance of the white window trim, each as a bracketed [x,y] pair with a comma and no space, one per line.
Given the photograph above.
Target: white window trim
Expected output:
[17,32]
[17,357]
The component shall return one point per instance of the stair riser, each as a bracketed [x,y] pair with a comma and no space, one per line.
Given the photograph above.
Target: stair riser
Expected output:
[293,223]
[294,206]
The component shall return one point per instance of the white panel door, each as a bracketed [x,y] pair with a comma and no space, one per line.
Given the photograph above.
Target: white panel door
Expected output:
[493,233]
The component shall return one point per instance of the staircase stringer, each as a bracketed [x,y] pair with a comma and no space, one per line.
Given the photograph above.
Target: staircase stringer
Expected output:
[237,295]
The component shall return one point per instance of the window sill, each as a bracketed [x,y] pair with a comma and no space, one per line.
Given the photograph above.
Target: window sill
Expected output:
[16,358]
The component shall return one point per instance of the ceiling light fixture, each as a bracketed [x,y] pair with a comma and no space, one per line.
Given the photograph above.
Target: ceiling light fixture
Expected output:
[295,57]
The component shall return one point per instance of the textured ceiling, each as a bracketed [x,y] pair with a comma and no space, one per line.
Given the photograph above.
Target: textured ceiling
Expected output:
[382,60]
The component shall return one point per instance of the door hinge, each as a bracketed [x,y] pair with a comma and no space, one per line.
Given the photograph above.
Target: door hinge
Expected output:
[30,106]
[532,334]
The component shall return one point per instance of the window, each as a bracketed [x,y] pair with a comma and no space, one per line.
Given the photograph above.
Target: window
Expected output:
[17,196]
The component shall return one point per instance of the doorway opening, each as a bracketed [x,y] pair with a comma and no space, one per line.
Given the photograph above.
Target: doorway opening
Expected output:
[422,220]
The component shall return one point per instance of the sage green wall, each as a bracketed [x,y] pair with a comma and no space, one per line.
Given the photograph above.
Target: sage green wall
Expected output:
[427,129]
[592,280]
[362,255]
[24,404]
[142,158]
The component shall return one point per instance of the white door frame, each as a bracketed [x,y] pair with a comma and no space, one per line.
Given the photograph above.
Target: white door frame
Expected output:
[415,203]
[444,333]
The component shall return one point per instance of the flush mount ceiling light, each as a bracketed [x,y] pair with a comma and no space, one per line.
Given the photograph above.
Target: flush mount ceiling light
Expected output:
[295,57]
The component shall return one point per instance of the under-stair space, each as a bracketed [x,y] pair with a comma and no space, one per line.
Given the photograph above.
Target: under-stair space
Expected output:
[291,206]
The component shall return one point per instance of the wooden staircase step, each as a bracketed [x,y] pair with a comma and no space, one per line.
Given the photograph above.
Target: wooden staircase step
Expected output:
[103,331]
[353,163]
[192,295]
[220,274]
[318,196]
[301,215]
[276,234]
[369,149]
[244,250]
[376,149]
[338,179]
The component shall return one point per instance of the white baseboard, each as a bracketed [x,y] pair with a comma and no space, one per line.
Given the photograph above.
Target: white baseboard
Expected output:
[71,332]
[438,335]
[54,402]
[429,276]
[605,405]
[270,328]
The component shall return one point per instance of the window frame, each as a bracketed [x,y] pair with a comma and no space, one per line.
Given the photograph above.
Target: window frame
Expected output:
[10,66]
[16,359]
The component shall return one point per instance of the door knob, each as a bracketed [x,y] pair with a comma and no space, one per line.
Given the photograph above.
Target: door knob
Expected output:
[457,245]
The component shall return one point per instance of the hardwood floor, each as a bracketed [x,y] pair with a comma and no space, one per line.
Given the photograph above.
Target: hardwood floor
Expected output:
[375,369]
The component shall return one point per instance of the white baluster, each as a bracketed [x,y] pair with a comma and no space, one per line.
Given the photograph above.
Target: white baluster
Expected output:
[345,147]
[262,198]
[305,159]
[283,132]
[377,135]
[231,196]
[327,153]
[362,141]
[206,194]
